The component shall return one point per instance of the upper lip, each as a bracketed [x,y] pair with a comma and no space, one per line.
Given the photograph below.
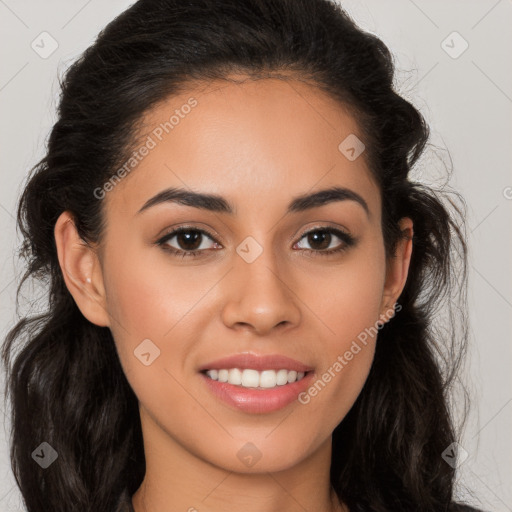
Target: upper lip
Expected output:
[256,362]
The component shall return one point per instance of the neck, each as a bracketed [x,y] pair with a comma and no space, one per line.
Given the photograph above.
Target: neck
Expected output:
[177,479]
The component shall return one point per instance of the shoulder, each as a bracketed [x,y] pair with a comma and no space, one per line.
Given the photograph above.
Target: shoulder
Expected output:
[461,507]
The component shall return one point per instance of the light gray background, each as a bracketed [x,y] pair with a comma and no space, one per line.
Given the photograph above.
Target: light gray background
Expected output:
[468,103]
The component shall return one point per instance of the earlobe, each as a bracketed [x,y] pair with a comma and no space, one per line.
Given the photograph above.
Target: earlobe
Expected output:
[81,271]
[397,269]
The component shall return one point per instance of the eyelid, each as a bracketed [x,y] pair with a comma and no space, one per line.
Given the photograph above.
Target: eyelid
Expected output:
[217,238]
[326,225]
[173,230]
[343,234]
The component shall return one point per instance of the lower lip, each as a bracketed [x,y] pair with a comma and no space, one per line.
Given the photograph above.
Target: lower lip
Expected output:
[258,401]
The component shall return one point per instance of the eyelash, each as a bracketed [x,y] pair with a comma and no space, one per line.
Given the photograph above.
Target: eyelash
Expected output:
[348,241]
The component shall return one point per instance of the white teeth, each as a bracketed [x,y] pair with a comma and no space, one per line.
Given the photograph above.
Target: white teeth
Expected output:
[253,378]
[250,378]
[214,374]
[282,377]
[292,376]
[235,377]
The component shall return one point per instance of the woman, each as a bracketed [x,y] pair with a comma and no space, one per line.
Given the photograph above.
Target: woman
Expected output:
[242,278]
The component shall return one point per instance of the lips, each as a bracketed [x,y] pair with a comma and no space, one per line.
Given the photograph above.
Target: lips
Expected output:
[256,362]
[257,400]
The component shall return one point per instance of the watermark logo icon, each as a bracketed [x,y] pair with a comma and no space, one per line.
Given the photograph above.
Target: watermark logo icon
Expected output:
[249,454]
[454,45]
[44,45]
[454,455]
[249,249]
[45,455]
[146,352]
[352,147]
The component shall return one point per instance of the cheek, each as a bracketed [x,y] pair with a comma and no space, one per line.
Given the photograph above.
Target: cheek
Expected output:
[156,315]
[356,300]
[349,307]
[347,298]
[148,296]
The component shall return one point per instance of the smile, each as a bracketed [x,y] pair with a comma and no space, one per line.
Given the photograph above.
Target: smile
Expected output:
[250,378]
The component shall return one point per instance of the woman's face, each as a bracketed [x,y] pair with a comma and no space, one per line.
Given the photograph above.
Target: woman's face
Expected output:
[258,284]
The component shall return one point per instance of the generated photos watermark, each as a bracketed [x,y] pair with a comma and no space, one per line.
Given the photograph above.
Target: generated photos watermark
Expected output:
[142,151]
[342,360]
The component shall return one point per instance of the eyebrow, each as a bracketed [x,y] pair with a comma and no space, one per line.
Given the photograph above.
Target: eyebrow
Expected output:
[216,203]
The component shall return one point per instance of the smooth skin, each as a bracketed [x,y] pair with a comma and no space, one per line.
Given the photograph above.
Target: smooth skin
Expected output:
[258,144]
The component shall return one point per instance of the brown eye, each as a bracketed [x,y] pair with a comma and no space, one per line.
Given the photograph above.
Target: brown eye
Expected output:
[189,241]
[321,239]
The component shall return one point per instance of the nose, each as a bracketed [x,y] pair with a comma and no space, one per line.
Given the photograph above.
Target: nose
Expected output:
[259,297]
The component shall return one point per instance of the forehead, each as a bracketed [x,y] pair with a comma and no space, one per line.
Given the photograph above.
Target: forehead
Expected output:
[254,142]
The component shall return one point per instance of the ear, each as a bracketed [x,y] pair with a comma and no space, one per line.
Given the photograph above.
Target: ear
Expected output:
[81,271]
[397,269]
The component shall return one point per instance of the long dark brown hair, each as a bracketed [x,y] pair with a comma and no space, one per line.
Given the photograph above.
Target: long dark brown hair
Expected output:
[64,378]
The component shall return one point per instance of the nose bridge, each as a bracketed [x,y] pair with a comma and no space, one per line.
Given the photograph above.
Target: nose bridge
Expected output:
[259,294]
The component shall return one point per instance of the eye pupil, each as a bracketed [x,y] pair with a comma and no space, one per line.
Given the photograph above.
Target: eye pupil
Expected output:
[187,237]
[189,240]
[313,237]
